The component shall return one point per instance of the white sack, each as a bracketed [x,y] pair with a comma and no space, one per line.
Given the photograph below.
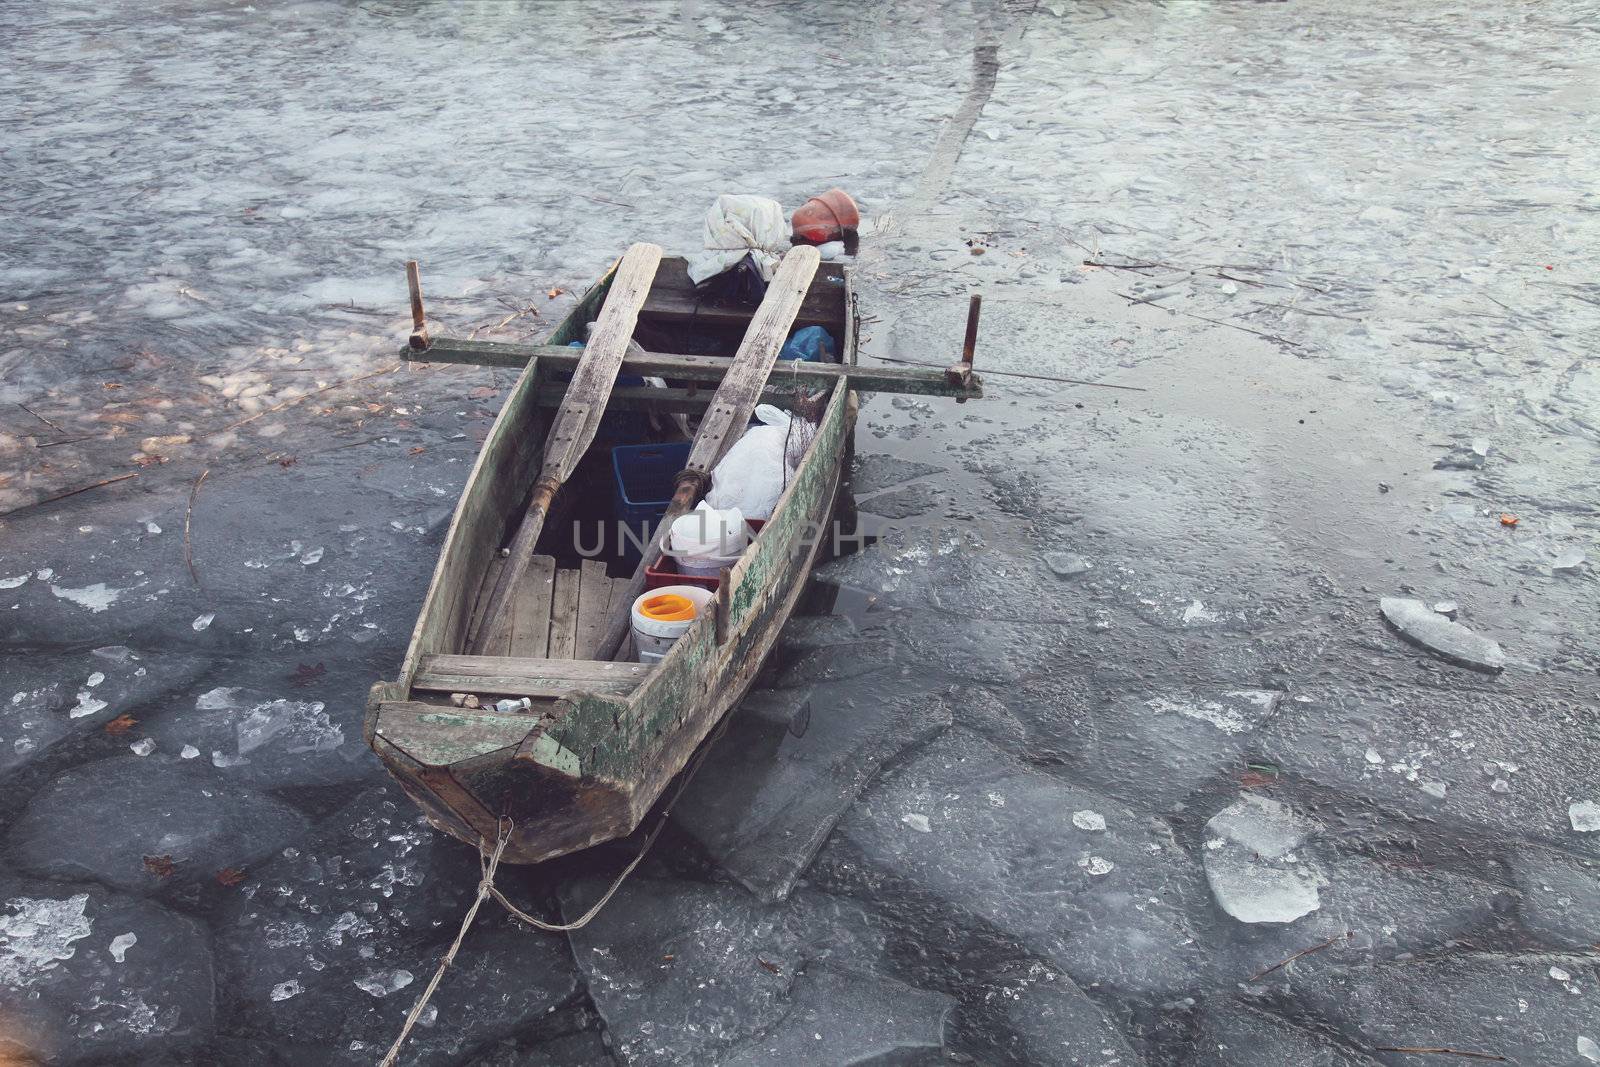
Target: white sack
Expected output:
[757,469]
[736,225]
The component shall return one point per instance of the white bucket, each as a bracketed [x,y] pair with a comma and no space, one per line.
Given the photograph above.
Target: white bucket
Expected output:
[654,638]
[707,540]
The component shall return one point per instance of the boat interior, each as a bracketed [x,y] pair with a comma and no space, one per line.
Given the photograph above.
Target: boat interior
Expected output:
[590,545]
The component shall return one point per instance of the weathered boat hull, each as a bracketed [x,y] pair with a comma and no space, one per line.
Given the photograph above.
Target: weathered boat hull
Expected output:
[589,766]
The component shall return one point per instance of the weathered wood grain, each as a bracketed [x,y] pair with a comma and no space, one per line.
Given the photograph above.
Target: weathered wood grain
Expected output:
[525,676]
[564,616]
[594,604]
[812,376]
[530,609]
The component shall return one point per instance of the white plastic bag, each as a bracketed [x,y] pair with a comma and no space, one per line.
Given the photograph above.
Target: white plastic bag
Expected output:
[757,469]
[736,225]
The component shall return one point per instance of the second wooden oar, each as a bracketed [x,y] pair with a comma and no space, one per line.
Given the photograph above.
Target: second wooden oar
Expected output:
[573,429]
[725,420]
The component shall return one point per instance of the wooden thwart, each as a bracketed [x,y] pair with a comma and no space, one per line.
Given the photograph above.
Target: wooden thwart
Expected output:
[812,376]
[527,676]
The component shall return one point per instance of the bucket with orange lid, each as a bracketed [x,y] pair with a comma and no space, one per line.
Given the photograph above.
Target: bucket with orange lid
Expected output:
[661,616]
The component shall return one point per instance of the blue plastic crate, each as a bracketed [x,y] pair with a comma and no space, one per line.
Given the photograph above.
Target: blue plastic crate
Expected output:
[644,479]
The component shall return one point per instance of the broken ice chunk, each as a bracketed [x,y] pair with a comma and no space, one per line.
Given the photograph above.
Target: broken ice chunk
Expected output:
[218,699]
[917,822]
[1449,640]
[382,983]
[1066,564]
[96,597]
[1095,865]
[291,988]
[314,556]
[121,944]
[1088,820]
[1588,1049]
[1233,711]
[143,747]
[87,705]
[1251,869]
[95,679]
[1585,816]
[299,725]
[189,752]
[37,934]
[202,621]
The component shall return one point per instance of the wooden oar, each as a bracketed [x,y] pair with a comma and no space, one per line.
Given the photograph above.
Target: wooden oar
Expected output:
[575,422]
[725,420]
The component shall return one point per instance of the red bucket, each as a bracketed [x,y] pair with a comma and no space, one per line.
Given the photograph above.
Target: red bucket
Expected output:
[826,217]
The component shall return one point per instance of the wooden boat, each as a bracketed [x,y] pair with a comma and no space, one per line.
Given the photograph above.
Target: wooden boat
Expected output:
[602,737]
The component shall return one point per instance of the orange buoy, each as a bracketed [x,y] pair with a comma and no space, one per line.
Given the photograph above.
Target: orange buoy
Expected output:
[826,217]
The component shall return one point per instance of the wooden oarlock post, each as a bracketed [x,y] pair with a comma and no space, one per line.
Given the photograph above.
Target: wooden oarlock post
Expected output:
[960,373]
[419,320]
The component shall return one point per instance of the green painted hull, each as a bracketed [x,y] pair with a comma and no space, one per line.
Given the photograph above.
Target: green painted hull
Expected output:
[589,768]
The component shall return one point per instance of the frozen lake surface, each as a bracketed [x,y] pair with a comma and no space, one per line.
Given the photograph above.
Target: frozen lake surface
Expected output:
[1114,725]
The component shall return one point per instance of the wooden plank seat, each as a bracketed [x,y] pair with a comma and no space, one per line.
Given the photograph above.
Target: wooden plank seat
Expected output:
[526,676]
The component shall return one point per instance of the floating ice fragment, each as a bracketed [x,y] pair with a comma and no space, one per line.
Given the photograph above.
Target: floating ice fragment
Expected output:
[1088,820]
[1449,640]
[87,705]
[917,822]
[1254,874]
[1448,608]
[1588,1049]
[189,752]
[121,944]
[1560,974]
[382,983]
[1234,711]
[1066,564]
[1569,560]
[1434,789]
[1500,785]
[95,679]
[202,621]
[1373,756]
[44,574]
[1095,865]
[291,988]
[114,653]
[1198,612]
[219,699]
[97,597]
[300,725]
[314,556]
[13,582]
[220,758]
[1585,816]
[39,933]
[143,747]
